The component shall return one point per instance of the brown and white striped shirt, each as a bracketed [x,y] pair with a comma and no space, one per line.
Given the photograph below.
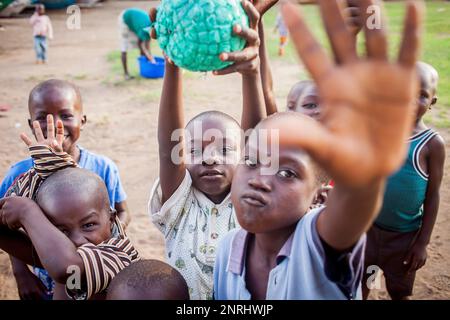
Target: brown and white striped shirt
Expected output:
[102,262]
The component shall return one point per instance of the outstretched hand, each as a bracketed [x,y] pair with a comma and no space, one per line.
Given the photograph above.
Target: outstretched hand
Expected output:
[54,141]
[368,102]
[247,60]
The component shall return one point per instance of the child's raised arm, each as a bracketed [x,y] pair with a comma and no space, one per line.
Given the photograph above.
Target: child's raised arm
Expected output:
[171,119]
[266,74]
[246,62]
[368,115]
[55,251]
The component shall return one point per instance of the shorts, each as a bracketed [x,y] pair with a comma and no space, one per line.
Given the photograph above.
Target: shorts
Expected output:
[387,250]
[128,39]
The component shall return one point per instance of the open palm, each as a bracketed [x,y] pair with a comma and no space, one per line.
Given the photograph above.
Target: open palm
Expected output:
[368,103]
[53,139]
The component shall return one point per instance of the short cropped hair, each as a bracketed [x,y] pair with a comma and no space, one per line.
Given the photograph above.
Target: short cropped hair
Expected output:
[215,115]
[73,181]
[46,86]
[148,280]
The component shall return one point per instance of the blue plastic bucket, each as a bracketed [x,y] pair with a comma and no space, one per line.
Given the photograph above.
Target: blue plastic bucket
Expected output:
[151,70]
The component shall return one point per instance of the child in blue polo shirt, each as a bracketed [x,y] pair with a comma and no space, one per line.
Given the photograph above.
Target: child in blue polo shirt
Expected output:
[62,100]
[283,251]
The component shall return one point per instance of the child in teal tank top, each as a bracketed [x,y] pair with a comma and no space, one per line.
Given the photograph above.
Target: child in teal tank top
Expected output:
[397,241]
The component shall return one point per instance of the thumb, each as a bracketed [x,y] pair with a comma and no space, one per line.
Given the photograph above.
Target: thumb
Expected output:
[314,138]
[408,258]
[57,147]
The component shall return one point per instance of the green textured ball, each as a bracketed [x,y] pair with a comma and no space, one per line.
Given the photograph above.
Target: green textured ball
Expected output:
[194,32]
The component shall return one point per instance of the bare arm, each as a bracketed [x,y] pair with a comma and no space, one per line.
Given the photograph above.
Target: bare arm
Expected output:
[349,213]
[144,50]
[18,245]
[266,74]
[171,118]
[123,213]
[253,110]
[431,204]
[417,254]
[55,250]
[253,104]
[247,63]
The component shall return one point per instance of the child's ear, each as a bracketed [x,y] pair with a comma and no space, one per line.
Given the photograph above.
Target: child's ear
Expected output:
[112,215]
[321,195]
[434,100]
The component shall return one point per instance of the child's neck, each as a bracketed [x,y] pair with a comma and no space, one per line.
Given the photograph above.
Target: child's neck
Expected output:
[268,245]
[217,199]
[420,126]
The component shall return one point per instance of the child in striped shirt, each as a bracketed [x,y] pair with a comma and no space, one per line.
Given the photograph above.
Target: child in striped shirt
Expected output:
[70,230]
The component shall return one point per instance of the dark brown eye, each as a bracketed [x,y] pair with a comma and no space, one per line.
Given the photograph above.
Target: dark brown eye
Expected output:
[286,174]
[88,225]
[310,106]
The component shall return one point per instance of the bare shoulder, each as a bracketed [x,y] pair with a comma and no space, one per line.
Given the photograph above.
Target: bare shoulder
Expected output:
[436,146]
[436,153]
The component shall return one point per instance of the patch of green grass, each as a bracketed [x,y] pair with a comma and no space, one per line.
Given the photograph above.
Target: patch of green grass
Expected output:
[435,46]
[114,58]
[150,96]
[435,42]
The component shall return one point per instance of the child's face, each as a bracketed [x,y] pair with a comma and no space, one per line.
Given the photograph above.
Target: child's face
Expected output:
[266,203]
[212,161]
[40,9]
[83,217]
[303,98]
[427,94]
[64,105]
[293,96]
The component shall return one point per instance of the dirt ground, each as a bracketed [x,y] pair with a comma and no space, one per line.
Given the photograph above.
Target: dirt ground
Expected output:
[122,122]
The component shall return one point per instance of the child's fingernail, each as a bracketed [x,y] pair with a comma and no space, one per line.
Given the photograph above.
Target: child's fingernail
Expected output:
[237,28]
[405,262]
[224,57]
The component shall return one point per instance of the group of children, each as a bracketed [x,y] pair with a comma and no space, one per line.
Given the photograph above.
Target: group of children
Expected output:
[233,228]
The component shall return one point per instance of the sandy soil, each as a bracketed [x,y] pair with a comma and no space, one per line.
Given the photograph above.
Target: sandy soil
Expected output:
[122,122]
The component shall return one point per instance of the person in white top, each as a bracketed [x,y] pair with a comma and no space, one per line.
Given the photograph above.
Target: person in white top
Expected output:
[42,30]
[190,202]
